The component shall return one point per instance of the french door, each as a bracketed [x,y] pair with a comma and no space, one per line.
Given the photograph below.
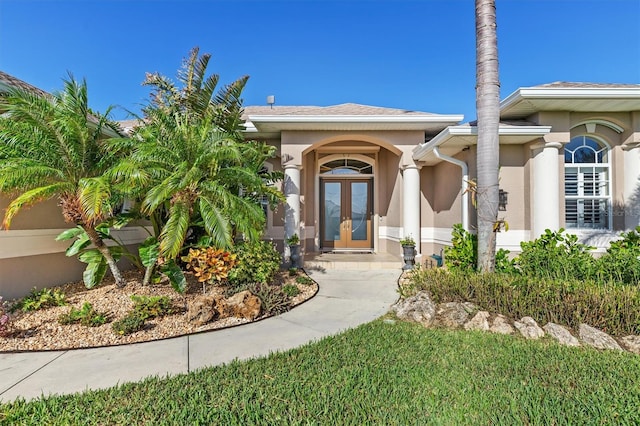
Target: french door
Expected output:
[346,209]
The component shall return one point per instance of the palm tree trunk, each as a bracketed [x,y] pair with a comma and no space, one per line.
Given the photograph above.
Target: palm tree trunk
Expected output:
[488,112]
[104,250]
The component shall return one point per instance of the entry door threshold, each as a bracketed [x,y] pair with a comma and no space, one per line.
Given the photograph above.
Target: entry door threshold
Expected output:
[349,251]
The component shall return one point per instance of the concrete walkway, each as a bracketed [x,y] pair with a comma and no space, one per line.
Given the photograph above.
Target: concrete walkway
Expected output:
[346,299]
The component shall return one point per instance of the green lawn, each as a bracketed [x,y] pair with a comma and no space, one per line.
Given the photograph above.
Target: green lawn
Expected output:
[376,374]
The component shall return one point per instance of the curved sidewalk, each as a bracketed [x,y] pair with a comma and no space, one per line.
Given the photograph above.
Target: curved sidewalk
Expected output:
[346,299]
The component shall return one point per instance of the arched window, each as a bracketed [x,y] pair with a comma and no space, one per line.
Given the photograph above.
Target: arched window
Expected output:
[586,184]
[346,166]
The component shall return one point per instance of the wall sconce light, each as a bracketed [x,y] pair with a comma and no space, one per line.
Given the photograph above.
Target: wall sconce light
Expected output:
[502,200]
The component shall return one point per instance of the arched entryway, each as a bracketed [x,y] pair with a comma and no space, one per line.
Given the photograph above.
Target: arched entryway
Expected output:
[346,203]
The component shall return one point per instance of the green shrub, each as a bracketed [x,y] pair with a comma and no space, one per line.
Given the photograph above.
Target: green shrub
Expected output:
[463,254]
[290,290]
[621,262]
[556,255]
[129,324]
[40,299]
[258,262]
[293,272]
[152,306]
[304,280]
[611,307]
[86,316]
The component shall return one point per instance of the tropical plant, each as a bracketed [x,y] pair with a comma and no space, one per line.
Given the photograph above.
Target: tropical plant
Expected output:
[210,265]
[258,262]
[199,175]
[293,240]
[129,324]
[621,262]
[488,112]
[40,299]
[86,315]
[51,147]
[147,307]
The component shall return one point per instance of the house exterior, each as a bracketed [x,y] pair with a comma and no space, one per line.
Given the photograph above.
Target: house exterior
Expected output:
[359,178]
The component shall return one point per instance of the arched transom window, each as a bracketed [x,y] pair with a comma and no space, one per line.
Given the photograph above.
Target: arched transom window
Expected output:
[586,184]
[346,166]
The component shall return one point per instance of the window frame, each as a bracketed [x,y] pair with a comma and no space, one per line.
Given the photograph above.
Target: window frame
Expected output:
[597,184]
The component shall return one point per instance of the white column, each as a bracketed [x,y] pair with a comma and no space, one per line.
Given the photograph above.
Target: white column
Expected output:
[546,188]
[631,185]
[292,207]
[411,205]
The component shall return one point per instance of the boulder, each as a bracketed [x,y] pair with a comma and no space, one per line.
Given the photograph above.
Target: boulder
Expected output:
[244,305]
[222,308]
[451,315]
[529,328]
[598,339]
[632,343]
[501,325]
[417,308]
[480,321]
[201,310]
[561,334]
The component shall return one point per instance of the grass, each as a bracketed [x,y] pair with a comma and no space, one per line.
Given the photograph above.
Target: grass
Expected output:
[376,374]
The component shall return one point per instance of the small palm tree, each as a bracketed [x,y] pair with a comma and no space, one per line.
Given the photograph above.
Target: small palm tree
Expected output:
[190,156]
[50,147]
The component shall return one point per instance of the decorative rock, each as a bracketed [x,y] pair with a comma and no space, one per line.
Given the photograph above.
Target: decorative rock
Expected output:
[561,334]
[479,322]
[596,338]
[501,325]
[529,328]
[451,314]
[244,305]
[200,311]
[470,308]
[418,308]
[632,343]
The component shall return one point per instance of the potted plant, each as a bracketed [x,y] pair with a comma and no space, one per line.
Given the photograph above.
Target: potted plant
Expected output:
[294,249]
[408,252]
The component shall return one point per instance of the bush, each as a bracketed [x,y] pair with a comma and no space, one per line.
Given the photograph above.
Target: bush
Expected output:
[129,324]
[40,299]
[258,262]
[147,307]
[463,254]
[621,262]
[290,290]
[304,280]
[611,307]
[209,264]
[86,316]
[556,255]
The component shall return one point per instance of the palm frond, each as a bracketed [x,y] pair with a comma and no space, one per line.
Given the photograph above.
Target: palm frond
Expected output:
[175,230]
[216,222]
[94,195]
[32,196]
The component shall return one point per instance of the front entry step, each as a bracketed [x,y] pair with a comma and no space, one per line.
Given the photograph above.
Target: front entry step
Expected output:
[355,261]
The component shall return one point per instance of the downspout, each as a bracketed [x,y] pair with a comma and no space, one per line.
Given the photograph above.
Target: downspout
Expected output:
[464,185]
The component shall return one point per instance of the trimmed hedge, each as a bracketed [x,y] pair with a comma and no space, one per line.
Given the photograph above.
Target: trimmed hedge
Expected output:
[614,308]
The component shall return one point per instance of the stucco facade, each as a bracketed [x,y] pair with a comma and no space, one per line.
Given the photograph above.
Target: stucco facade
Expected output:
[360,178]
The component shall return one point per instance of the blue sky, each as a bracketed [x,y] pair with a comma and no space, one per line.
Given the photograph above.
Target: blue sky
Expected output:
[417,55]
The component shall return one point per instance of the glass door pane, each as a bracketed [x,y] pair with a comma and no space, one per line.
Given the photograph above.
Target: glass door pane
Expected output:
[332,208]
[359,210]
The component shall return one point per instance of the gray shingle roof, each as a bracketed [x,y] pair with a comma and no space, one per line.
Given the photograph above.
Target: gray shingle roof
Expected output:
[341,109]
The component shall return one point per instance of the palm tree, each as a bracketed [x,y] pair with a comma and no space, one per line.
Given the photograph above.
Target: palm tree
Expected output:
[190,156]
[488,112]
[50,147]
